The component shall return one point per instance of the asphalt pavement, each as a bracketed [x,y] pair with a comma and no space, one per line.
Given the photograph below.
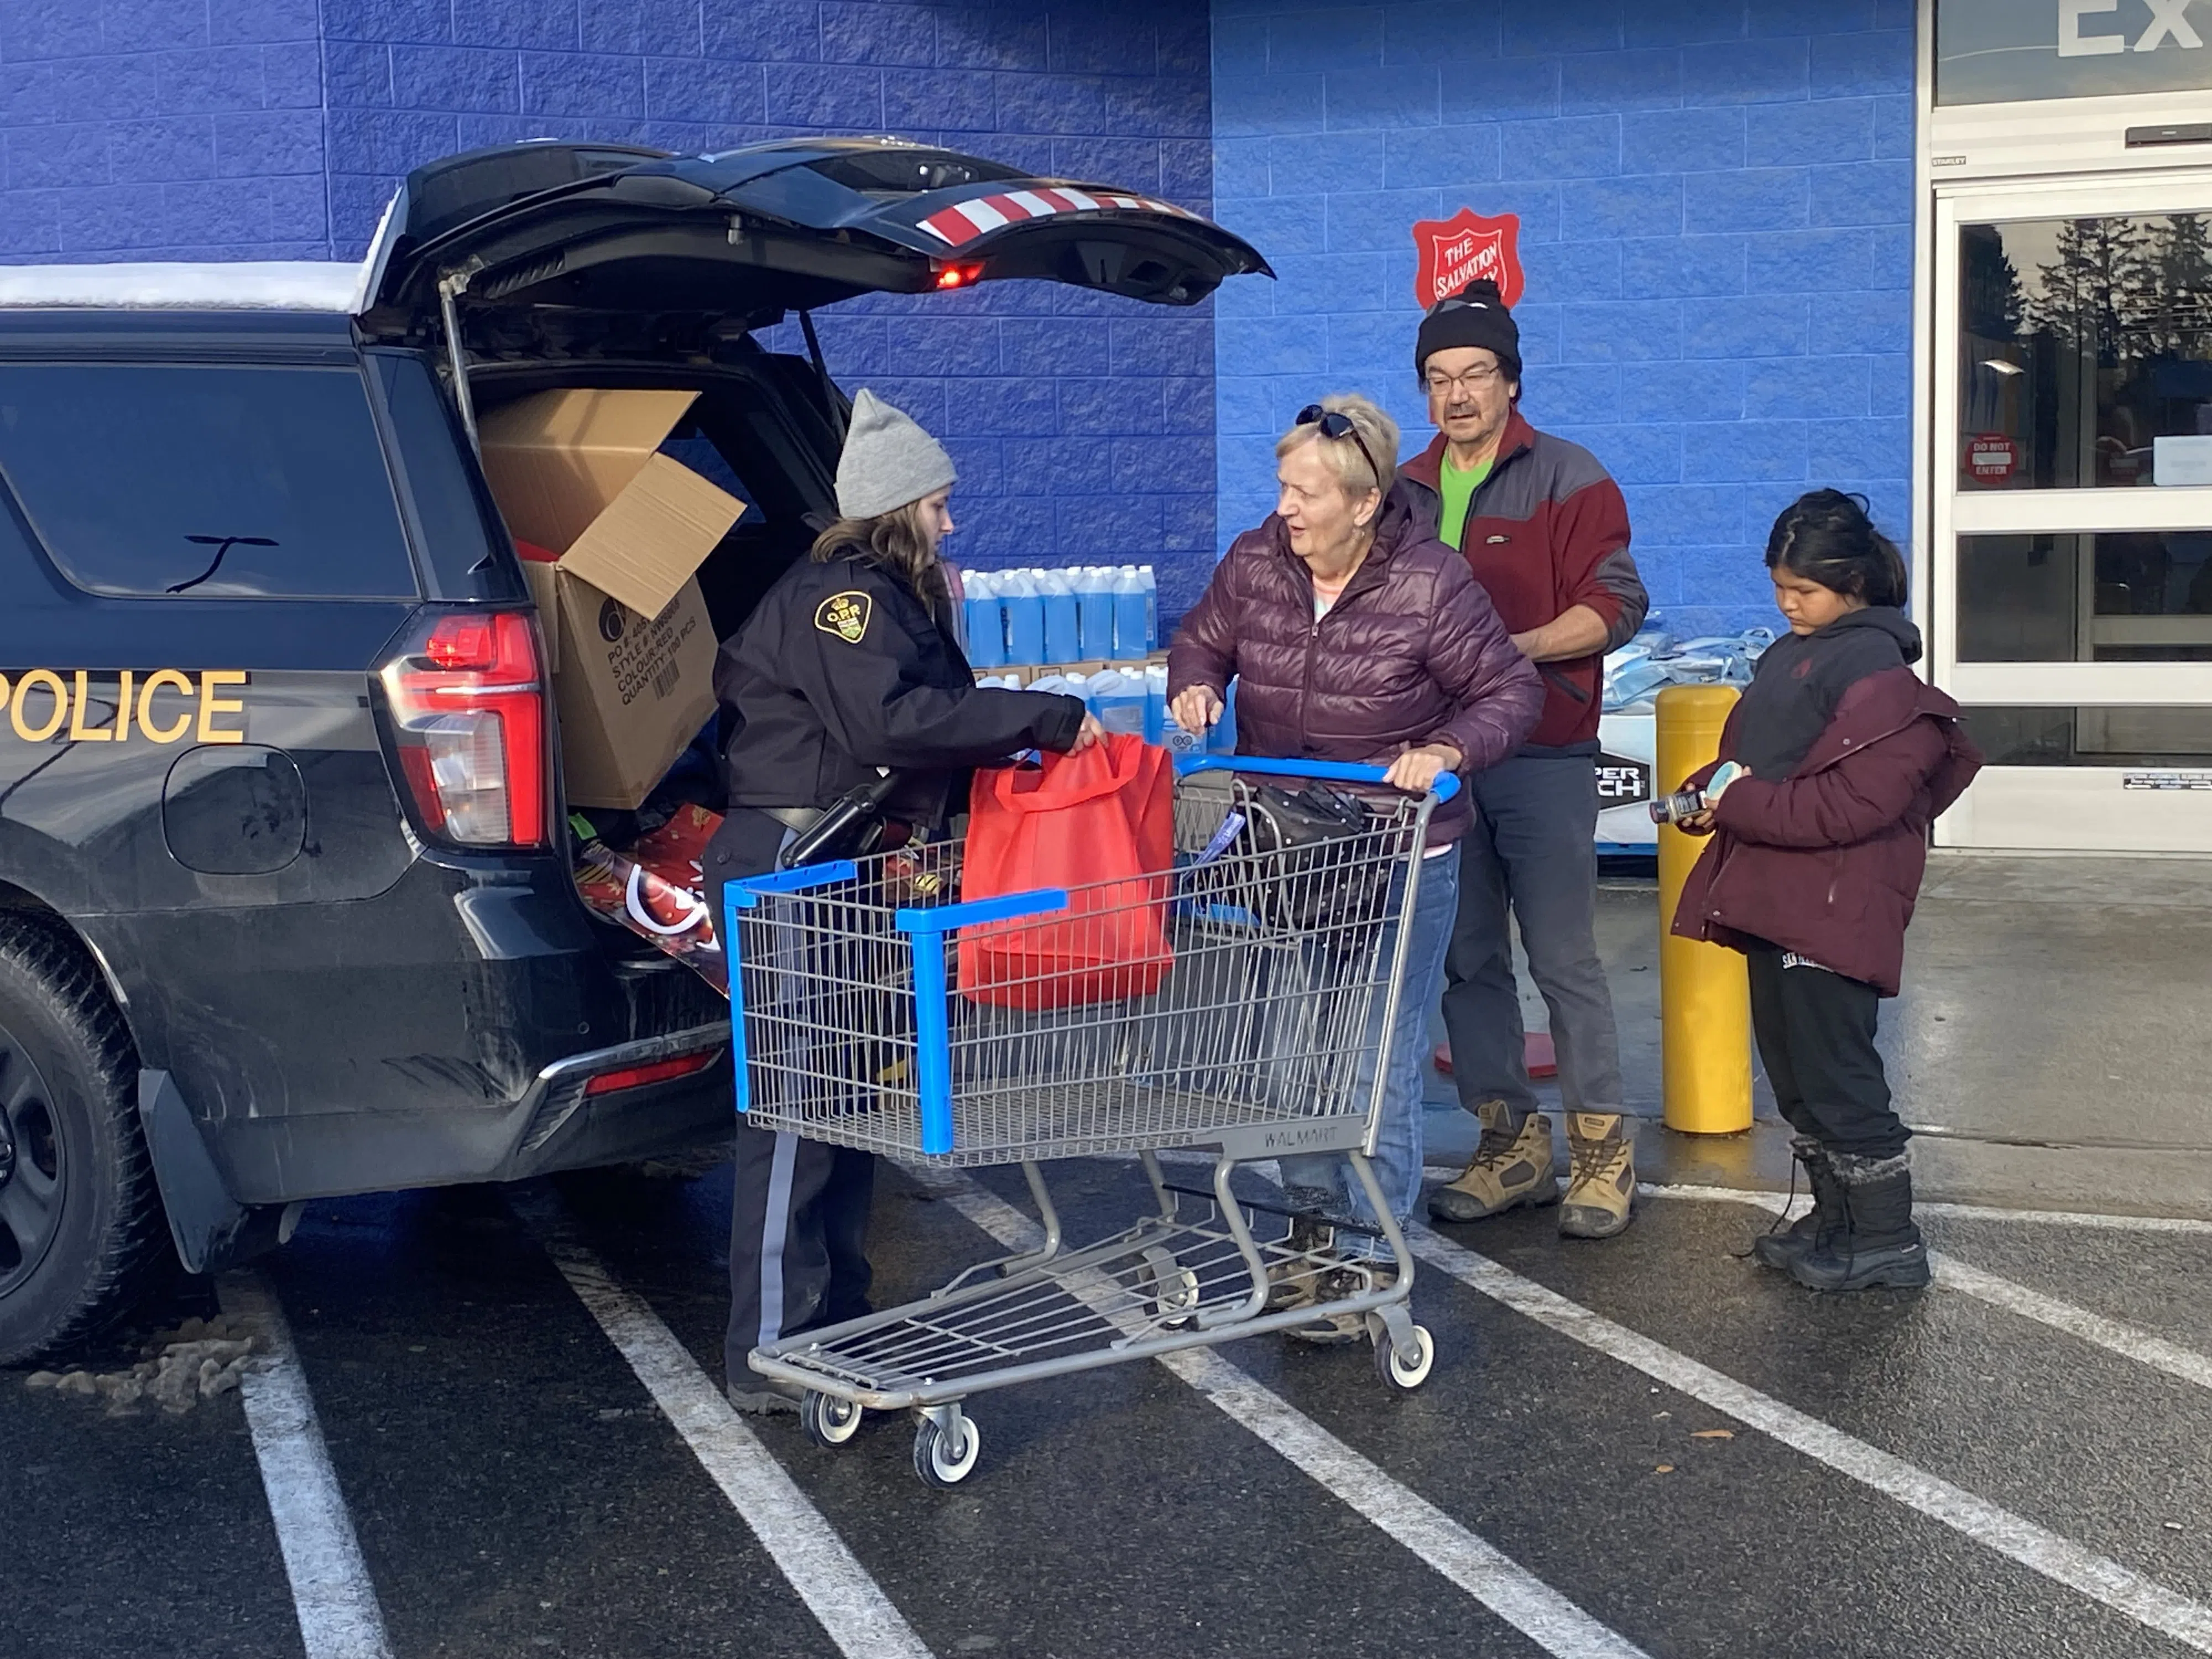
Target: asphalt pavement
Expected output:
[487,1421]
[2048,1047]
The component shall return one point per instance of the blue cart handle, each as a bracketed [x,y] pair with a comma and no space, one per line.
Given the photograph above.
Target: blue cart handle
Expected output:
[1446,785]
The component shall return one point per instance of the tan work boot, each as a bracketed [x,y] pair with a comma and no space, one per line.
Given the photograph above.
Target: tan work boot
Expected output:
[1601,1176]
[1292,1279]
[1341,1284]
[1509,1169]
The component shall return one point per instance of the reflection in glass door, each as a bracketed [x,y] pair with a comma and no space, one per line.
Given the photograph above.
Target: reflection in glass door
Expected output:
[2072,546]
[2086,352]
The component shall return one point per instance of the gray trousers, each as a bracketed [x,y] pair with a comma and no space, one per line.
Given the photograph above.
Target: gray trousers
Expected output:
[1533,849]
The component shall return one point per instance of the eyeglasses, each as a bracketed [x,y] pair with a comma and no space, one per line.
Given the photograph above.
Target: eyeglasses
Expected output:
[1475,380]
[1335,424]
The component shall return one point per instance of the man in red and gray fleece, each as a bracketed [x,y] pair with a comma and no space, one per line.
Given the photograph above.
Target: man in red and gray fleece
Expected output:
[1546,531]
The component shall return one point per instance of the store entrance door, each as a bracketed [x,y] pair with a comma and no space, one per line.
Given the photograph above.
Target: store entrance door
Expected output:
[2072,552]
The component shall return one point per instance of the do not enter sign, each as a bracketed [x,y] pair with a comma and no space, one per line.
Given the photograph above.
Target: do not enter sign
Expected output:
[1992,457]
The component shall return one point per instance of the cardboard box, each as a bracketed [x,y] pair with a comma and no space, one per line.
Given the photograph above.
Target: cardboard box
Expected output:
[577,473]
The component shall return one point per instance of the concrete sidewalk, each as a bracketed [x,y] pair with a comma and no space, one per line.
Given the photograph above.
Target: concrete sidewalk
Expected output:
[2051,1047]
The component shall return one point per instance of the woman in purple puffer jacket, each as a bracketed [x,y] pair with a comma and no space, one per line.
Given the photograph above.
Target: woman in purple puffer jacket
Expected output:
[1354,635]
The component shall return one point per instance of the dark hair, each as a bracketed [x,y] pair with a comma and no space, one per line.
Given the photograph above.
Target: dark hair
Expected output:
[897,540]
[1825,537]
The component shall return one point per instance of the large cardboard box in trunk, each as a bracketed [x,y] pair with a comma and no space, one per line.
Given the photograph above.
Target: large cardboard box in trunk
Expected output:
[577,472]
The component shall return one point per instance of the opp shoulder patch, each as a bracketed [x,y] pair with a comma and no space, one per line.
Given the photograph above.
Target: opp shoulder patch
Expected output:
[845,615]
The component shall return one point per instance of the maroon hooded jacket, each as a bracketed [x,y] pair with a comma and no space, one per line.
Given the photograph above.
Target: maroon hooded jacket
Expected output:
[1410,654]
[1828,861]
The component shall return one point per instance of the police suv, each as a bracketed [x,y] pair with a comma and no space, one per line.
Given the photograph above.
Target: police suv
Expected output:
[286,901]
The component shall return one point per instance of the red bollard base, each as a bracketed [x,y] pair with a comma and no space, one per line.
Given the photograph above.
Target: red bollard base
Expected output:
[1541,1062]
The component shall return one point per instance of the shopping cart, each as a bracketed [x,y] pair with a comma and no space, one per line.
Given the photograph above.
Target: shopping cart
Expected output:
[1253,1023]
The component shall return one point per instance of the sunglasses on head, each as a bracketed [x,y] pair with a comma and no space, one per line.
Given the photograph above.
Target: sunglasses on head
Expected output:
[1337,425]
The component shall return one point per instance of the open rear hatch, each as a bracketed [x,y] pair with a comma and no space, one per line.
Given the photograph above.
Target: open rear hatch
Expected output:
[537,253]
[755,233]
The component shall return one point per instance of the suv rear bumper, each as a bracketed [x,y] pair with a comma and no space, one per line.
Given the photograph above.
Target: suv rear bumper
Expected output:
[560,1124]
[582,1111]
[445,1032]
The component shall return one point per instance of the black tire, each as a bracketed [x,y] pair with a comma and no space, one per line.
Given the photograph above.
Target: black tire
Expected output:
[1392,1366]
[829,1422]
[82,1228]
[937,1461]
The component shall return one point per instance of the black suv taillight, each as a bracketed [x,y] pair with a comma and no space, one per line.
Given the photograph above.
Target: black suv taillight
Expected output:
[467,700]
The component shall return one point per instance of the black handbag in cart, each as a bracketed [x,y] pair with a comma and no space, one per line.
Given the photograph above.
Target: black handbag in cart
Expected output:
[1321,874]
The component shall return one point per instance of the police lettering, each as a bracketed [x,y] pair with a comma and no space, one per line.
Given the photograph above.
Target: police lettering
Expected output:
[165,706]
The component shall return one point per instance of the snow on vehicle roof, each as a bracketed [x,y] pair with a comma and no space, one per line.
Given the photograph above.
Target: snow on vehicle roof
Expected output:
[265,285]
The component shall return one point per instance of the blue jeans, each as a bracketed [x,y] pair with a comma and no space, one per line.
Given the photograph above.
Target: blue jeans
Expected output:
[1397,1160]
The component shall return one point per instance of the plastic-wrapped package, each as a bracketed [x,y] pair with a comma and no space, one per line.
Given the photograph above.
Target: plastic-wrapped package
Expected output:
[1655,659]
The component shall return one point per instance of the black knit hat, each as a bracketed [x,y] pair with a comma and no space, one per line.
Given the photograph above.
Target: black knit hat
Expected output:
[1475,316]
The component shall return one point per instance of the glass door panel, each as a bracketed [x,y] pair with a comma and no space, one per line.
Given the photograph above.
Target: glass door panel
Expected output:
[2085,352]
[2071,559]
[2132,596]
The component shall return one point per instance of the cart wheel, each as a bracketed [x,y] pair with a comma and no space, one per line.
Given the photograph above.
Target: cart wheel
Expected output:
[828,1420]
[938,1465]
[1175,1288]
[1396,1370]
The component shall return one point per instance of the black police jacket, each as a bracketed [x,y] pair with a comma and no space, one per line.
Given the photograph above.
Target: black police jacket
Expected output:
[840,669]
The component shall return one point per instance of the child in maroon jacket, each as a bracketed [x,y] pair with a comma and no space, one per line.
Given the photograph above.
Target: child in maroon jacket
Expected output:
[1819,843]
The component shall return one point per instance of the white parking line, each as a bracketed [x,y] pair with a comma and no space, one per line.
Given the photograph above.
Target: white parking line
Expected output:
[2119,1224]
[849,1604]
[1508,1589]
[2060,1560]
[339,1617]
[2111,1334]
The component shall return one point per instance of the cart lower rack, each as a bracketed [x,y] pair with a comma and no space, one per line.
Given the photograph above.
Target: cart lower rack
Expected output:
[1239,1001]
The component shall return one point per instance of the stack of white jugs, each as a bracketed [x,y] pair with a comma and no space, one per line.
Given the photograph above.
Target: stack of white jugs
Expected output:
[1093,613]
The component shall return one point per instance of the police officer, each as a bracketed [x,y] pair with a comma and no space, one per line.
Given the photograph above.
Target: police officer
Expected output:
[848,666]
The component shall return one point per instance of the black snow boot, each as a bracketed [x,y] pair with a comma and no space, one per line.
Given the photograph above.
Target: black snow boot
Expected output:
[1780,1246]
[1877,1243]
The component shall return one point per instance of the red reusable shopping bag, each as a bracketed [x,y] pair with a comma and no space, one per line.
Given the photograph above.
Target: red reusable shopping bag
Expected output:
[1100,823]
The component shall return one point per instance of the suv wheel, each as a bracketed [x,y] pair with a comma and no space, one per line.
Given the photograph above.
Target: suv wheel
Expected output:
[81,1222]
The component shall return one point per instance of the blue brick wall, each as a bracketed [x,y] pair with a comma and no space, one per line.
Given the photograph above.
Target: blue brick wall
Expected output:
[1082,425]
[1716,204]
[273,128]
[1715,199]
[161,129]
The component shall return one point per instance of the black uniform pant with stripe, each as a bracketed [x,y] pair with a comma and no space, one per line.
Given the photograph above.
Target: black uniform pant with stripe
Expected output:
[1815,1031]
[799,1217]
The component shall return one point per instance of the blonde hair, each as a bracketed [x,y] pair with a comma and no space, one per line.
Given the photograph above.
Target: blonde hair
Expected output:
[1357,473]
[899,540]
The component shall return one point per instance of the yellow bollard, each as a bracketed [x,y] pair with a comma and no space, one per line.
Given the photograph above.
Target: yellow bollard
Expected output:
[1704,994]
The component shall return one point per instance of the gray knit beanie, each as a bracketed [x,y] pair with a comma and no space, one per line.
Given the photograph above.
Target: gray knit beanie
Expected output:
[888,461]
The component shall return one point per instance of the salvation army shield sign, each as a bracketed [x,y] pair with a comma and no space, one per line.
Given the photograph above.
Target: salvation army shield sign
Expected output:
[1453,252]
